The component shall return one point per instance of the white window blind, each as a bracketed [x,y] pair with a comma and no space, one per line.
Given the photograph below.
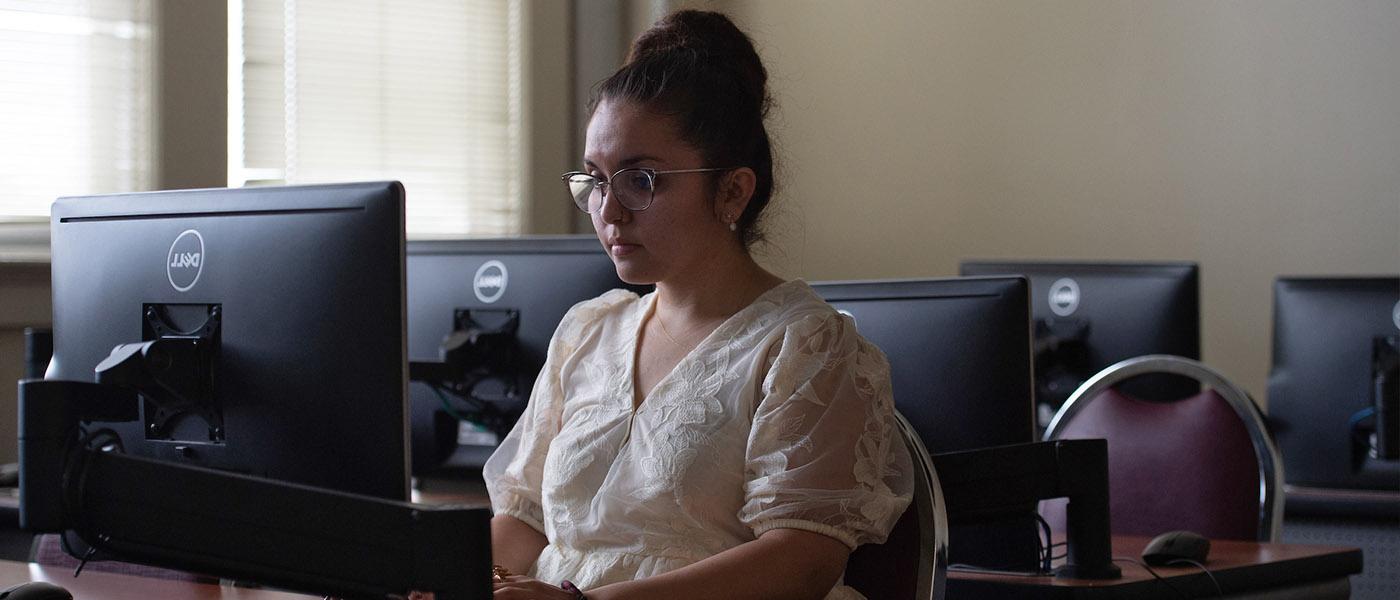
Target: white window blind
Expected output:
[422,91]
[75,101]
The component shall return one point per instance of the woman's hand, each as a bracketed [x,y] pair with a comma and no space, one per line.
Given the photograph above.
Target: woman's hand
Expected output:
[520,587]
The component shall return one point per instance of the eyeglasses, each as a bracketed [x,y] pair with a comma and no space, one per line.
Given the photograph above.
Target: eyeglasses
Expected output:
[633,189]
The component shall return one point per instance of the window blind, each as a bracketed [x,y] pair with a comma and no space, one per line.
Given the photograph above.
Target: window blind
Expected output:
[422,91]
[75,101]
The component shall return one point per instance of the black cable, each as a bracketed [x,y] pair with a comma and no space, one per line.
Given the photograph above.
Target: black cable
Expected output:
[1218,591]
[1154,574]
[87,556]
[1358,434]
[1047,549]
[447,405]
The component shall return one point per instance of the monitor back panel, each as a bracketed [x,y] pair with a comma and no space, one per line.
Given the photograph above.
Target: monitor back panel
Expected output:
[309,280]
[539,277]
[959,354]
[1321,379]
[1131,309]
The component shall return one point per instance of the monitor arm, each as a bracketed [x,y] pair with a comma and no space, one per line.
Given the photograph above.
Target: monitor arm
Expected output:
[229,525]
[1061,358]
[482,346]
[173,374]
[989,482]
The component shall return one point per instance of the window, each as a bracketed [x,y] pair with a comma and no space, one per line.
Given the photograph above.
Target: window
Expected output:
[423,91]
[75,102]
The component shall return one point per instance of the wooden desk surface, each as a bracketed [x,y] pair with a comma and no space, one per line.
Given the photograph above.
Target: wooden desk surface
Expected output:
[95,585]
[1237,566]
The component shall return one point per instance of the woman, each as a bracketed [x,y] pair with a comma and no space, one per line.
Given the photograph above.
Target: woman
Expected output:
[728,435]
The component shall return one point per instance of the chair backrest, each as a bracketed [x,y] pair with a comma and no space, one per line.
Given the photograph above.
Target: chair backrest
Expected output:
[1204,463]
[913,561]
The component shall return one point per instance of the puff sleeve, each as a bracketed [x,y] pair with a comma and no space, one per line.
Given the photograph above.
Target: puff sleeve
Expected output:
[824,453]
[514,474]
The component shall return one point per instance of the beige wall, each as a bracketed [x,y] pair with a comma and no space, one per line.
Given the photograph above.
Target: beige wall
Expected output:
[547,128]
[192,94]
[1259,138]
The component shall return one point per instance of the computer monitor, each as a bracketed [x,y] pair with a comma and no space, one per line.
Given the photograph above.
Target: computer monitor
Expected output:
[481,313]
[960,366]
[249,403]
[280,319]
[959,354]
[1332,387]
[1089,316]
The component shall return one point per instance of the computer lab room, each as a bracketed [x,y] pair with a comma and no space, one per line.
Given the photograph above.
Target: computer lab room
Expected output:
[699,299]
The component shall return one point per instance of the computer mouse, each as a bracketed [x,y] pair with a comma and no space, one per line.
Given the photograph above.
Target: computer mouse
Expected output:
[36,590]
[1176,545]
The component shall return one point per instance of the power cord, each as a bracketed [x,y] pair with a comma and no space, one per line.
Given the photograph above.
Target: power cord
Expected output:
[1218,590]
[1047,546]
[1154,574]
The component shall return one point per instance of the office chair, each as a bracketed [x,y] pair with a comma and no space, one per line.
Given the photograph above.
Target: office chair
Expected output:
[913,561]
[1204,463]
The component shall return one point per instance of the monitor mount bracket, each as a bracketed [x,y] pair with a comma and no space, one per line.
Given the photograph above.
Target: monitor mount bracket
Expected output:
[173,370]
[1061,358]
[481,347]
[230,525]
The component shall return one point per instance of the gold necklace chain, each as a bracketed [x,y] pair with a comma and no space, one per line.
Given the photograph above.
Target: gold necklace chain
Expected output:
[667,333]
[664,331]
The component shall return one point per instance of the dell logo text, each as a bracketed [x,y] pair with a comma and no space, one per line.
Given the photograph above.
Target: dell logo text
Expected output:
[185,259]
[489,284]
[185,263]
[1064,297]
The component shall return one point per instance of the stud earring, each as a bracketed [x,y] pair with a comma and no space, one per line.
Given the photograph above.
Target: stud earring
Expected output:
[733,226]
[733,223]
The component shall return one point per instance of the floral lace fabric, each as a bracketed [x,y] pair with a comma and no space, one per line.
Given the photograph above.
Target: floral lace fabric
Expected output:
[781,418]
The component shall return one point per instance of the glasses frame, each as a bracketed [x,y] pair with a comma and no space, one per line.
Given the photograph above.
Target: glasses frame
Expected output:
[601,185]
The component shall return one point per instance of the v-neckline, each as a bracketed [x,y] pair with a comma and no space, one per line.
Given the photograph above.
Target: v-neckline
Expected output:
[636,345]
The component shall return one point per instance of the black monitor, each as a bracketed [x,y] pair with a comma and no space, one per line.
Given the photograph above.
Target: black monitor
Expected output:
[1332,387]
[959,353]
[1089,316]
[481,313]
[960,366]
[281,309]
[248,418]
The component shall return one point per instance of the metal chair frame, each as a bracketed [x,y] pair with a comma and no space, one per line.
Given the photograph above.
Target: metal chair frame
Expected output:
[1270,461]
[928,501]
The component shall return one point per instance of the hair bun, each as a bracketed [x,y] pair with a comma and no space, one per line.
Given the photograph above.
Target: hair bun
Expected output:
[710,39]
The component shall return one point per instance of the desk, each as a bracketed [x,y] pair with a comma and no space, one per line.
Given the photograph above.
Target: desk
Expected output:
[1244,570]
[93,585]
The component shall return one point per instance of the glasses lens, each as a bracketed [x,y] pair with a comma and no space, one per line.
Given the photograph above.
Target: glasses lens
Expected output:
[581,188]
[632,188]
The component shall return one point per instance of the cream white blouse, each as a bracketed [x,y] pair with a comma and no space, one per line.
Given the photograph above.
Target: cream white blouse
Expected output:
[780,418]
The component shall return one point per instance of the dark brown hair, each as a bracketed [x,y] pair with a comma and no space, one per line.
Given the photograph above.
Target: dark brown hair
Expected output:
[700,69]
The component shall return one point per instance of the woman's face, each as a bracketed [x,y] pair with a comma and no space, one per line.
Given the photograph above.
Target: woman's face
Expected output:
[682,227]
